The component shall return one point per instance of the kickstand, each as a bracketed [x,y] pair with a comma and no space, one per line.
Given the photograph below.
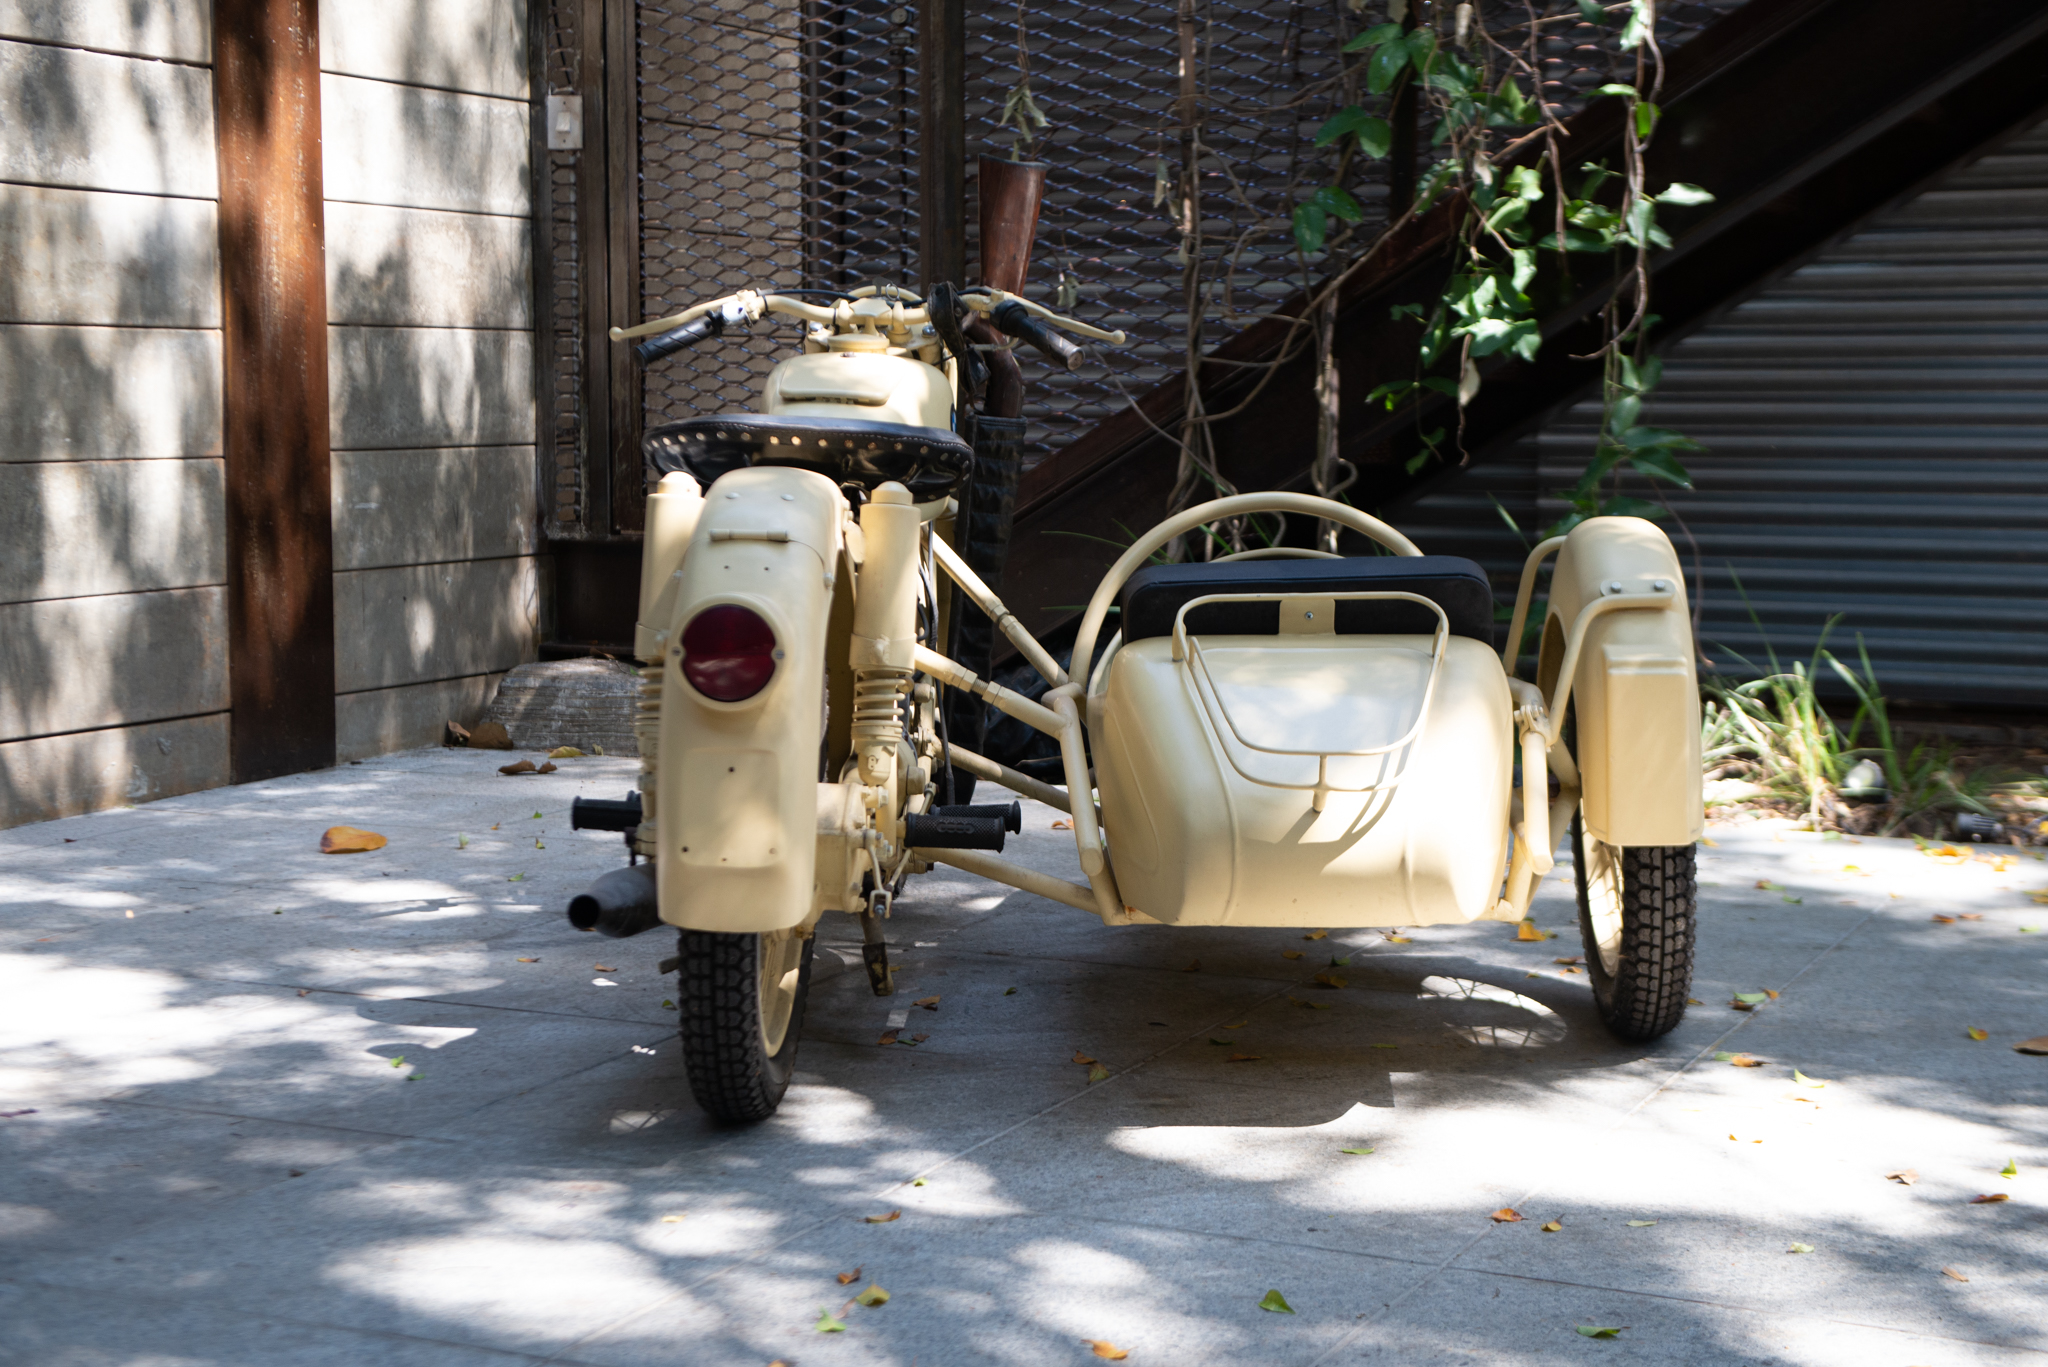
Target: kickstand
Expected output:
[874,950]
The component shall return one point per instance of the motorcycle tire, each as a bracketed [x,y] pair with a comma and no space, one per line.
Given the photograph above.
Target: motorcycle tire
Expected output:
[740,1001]
[1638,921]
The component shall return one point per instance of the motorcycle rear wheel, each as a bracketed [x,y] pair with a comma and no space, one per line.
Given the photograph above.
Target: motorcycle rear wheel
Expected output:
[1638,921]
[740,1001]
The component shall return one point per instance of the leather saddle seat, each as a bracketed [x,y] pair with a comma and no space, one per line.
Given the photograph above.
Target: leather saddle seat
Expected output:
[930,461]
[1153,595]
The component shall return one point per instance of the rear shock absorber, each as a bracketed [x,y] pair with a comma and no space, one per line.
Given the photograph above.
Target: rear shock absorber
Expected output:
[884,645]
[647,731]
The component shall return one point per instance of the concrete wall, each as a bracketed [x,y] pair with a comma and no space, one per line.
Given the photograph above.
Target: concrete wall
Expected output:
[113,650]
[113,662]
[424,107]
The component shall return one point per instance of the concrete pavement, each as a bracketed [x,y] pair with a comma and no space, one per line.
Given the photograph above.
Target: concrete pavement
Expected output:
[265,1106]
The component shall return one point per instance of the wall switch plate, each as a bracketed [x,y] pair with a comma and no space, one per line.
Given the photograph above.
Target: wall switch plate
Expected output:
[565,123]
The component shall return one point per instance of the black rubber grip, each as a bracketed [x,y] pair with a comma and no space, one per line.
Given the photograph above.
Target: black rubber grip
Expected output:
[924,831]
[1017,321]
[605,813]
[1011,814]
[689,334]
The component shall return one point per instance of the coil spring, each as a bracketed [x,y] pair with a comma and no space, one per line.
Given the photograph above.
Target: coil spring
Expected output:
[878,705]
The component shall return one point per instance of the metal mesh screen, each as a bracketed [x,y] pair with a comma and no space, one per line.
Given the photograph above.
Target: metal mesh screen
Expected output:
[778,147]
[563,441]
[1106,74]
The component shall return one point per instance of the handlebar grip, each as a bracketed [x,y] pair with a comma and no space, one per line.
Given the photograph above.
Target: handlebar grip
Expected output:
[1014,319]
[689,334]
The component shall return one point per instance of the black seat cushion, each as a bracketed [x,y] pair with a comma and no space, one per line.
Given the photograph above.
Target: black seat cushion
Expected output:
[931,462]
[1152,596]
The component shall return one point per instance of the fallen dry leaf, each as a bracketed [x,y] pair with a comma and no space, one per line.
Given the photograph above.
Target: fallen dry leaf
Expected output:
[1905,1177]
[928,1003]
[1805,1081]
[1291,954]
[491,735]
[1080,1057]
[881,1219]
[873,1296]
[1947,854]
[1800,1248]
[1969,916]
[1399,940]
[565,752]
[1989,1198]
[1063,825]
[529,961]
[601,968]
[348,840]
[1551,1227]
[1640,1224]
[849,1278]
[1315,935]
[2037,1045]
[673,1219]
[1242,1058]
[1506,1215]
[1098,1074]
[1975,1033]
[919,1039]
[1951,1272]
[1105,1349]
[1694,1001]
[1329,979]
[1527,930]
[1939,919]
[1745,1061]
[1600,1331]
[888,1037]
[524,766]
[547,767]
[1574,959]
[1768,886]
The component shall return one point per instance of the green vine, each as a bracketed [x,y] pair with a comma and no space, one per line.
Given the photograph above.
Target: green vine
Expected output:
[1500,160]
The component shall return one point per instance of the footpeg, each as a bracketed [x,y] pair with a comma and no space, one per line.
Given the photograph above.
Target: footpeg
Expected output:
[963,827]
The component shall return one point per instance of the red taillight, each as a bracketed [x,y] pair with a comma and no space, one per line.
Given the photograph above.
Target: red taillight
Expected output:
[728,652]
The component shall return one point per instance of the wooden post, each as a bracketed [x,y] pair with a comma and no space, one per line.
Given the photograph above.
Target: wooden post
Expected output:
[942,142]
[280,552]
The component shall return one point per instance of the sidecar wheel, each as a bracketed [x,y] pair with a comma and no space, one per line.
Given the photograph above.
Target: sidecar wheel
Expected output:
[1637,921]
[741,1002]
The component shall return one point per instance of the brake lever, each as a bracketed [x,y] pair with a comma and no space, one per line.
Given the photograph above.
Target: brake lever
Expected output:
[1013,319]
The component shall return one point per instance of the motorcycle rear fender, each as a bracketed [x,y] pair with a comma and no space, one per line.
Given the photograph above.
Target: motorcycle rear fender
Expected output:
[738,783]
[1635,697]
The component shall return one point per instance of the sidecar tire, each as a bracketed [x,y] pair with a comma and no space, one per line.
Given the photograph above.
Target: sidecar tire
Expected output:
[735,1074]
[1640,905]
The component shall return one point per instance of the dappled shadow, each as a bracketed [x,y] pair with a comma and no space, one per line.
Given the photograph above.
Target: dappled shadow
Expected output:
[545,1187]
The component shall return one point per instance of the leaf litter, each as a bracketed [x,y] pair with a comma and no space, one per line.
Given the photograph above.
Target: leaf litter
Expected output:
[1276,1303]
[1105,1349]
[349,840]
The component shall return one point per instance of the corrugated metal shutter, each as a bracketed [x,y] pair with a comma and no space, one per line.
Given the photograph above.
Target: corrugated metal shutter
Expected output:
[1877,433]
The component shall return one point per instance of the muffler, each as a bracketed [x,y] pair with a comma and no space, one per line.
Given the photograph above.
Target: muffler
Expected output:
[621,903]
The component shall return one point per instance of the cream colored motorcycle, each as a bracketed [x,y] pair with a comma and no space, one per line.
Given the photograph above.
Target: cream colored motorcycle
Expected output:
[1285,737]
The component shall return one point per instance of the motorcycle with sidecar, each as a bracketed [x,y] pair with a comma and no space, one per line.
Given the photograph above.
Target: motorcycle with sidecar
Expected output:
[1282,737]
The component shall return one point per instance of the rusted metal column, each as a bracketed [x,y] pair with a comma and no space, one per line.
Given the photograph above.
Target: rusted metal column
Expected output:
[942,144]
[280,552]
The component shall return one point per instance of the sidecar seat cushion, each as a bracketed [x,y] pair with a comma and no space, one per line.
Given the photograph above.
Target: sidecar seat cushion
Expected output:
[929,460]
[1152,596]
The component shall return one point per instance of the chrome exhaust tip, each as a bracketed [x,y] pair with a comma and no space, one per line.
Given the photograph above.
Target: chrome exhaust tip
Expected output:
[621,903]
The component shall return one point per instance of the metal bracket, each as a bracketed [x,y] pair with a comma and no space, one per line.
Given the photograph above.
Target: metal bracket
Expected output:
[565,123]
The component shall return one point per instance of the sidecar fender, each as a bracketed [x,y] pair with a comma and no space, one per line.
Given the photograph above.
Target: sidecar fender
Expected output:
[1635,697]
[738,781]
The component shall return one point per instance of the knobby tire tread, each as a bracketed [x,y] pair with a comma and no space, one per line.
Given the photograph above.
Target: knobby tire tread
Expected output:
[732,1076]
[1646,995]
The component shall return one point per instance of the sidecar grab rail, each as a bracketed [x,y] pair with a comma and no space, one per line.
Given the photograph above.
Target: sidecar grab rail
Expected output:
[1187,648]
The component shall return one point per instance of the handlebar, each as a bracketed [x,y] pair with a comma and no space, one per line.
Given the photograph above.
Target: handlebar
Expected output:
[1012,318]
[750,305]
[689,334]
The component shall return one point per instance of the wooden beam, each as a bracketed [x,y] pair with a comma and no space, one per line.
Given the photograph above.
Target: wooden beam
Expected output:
[942,145]
[280,560]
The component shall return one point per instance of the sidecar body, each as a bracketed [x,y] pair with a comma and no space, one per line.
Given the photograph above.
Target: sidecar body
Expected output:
[1307,742]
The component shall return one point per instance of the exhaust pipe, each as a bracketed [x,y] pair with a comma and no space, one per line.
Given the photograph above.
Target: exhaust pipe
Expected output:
[621,903]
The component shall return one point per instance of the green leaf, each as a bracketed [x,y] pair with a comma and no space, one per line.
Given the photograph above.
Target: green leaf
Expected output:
[1524,259]
[1800,1248]
[1678,192]
[1400,311]
[1637,28]
[1640,1224]
[1631,507]
[1311,225]
[1009,992]
[1615,88]
[1600,1331]
[1661,464]
[1722,1056]
[1805,1081]
[1525,182]
[1440,175]
[1344,962]
[1752,997]
[1360,1152]
[517,878]
[1375,135]
[873,1296]
[1647,115]
[2011,1168]
[1422,47]
[1415,462]
[826,1324]
[1276,1303]
[1385,66]
[1373,37]
[1338,203]
[1591,12]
